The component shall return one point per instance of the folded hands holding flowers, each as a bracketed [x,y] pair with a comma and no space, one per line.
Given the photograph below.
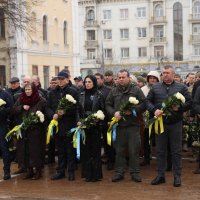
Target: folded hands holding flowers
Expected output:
[126,109]
[170,105]
[65,104]
[30,120]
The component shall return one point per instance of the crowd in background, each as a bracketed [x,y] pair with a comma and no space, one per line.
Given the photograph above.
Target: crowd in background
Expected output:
[106,92]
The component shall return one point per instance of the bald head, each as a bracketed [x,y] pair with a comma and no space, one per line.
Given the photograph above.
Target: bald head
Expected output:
[26,80]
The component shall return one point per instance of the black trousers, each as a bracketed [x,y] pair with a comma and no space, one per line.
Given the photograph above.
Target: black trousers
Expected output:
[66,154]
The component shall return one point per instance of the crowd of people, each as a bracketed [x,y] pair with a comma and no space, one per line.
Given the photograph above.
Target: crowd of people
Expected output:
[107,93]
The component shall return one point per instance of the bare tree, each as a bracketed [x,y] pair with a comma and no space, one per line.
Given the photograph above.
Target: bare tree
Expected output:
[18,12]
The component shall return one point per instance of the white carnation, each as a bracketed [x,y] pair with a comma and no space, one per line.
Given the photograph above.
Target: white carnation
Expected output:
[180,97]
[196,144]
[133,100]
[70,99]
[2,102]
[40,115]
[99,115]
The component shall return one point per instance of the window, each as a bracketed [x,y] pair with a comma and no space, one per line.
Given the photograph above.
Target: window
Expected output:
[65,33]
[34,70]
[56,30]
[123,13]
[90,15]
[196,29]
[178,31]
[196,10]
[91,54]
[108,53]
[142,52]
[44,28]
[124,52]
[91,35]
[46,76]
[107,34]
[2,76]
[57,69]
[158,32]
[196,50]
[158,11]
[141,12]
[142,32]
[107,14]
[34,24]
[124,33]
[2,24]
[158,51]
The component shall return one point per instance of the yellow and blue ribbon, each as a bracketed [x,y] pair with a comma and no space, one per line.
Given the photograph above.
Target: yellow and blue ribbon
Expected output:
[111,133]
[53,123]
[15,131]
[78,133]
[159,127]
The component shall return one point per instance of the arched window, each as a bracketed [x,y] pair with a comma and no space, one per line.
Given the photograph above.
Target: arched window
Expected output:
[196,9]
[33,23]
[56,30]
[44,28]
[65,32]
[2,24]
[178,31]
[90,15]
[158,12]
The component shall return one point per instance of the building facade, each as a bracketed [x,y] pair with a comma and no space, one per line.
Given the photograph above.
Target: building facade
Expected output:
[141,35]
[49,46]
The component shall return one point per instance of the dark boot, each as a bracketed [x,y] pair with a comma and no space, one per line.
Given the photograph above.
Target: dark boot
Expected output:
[29,173]
[37,174]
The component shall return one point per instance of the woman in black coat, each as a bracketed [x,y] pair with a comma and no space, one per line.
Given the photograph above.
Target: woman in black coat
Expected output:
[91,101]
[30,149]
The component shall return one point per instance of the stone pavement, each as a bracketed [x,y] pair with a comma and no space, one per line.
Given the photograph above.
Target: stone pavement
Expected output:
[45,189]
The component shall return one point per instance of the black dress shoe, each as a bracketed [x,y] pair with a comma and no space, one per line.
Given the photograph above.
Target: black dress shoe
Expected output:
[117,178]
[71,176]
[20,171]
[6,176]
[136,178]
[58,176]
[158,180]
[177,181]
[88,180]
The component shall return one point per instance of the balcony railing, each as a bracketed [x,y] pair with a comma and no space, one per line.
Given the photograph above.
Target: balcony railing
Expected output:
[93,23]
[195,38]
[158,40]
[194,17]
[91,43]
[158,20]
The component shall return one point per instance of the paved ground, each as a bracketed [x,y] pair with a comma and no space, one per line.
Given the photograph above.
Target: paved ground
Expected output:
[45,189]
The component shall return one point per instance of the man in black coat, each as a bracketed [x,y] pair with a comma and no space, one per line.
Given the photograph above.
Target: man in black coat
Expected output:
[4,113]
[172,124]
[14,90]
[66,121]
[109,150]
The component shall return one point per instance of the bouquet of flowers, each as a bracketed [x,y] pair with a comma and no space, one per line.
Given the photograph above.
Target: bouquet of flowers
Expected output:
[168,105]
[194,131]
[28,121]
[89,121]
[2,102]
[92,119]
[66,103]
[128,106]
